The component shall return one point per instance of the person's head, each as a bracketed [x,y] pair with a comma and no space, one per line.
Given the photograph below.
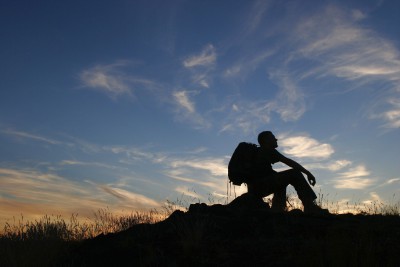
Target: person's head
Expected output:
[267,139]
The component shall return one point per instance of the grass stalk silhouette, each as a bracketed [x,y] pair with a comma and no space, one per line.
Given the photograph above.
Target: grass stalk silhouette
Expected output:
[55,227]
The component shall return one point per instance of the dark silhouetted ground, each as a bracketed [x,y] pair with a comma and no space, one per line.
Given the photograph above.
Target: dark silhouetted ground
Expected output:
[243,233]
[247,233]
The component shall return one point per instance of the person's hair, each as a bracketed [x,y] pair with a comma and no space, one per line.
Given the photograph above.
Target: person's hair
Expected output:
[263,135]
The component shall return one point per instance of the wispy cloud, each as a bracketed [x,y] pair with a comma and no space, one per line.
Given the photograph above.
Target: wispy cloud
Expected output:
[107,78]
[358,171]
[389,183]
[394,180]
[202,79]
[182,99]
[200,65]
[332,166]
[39,193]
[354,178]
[391,117]
[200,173]
[305,147]
[374,197]
[189,167]
[335,44]
[207,57]
[290,102]
[186,110]
[330,42]
[50,190]
[131,154]
[353,183]
[248,63]
[84,145]
[181,175]
[113,79]
[246,116]
[352,52]
[67,142]
[25,135]
[250,115]
[128,198]
[216,166]
[358,15]
[252,27]
[94,164]
[256,15]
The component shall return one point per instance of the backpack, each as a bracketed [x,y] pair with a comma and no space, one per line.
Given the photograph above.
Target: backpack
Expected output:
[241,165]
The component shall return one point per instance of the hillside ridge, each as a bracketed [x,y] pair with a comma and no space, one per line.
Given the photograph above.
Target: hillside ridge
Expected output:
[247,232]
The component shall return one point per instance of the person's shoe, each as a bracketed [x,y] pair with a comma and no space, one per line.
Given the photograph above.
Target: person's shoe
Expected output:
[314,209]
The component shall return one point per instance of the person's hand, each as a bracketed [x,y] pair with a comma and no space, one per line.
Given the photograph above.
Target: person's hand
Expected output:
[311,179]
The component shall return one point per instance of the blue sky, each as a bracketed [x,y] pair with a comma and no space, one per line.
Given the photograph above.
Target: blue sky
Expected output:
[127,104]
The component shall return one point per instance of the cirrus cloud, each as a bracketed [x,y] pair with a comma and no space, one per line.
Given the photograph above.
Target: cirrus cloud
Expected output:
[305,147]
[107,78]
[35,193]
[207,57]
[354,178]
[182,99]
[113,79]
[186,110]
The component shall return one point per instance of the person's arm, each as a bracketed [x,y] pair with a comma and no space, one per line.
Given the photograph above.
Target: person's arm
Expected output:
[293,164]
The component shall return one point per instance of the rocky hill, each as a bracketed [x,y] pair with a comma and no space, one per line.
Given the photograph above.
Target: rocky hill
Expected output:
[247,233]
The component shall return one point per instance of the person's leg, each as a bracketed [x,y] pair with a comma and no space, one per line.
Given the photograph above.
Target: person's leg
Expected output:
[303,189]
[264,186]
[260,188]
[279,199]
[297,180]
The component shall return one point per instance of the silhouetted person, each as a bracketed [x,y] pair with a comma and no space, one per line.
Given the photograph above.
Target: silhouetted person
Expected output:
[267,181]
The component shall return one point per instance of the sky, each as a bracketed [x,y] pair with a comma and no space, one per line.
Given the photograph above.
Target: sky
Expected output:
[126,105]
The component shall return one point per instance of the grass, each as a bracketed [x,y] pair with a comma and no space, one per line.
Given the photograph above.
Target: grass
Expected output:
[364,208]
[51,239]
[55,227]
